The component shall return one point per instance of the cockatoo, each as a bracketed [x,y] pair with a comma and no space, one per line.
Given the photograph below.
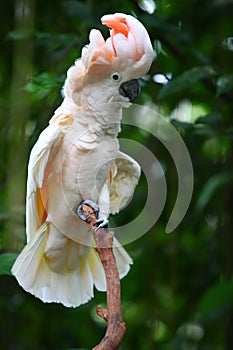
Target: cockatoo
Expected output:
[77,157]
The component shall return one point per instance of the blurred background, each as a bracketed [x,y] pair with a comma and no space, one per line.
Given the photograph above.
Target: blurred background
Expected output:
[179,292]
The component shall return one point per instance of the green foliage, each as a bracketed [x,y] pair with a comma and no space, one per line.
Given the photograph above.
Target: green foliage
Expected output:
[186,80]
[216,300]
[210,189]
[6,262]
[178,294]
[224,84]
[43,84]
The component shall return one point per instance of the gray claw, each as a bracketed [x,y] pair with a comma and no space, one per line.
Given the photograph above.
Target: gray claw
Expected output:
[101,223]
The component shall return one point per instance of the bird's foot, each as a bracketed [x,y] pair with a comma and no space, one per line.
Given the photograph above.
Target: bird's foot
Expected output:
[101,223]
[88,211]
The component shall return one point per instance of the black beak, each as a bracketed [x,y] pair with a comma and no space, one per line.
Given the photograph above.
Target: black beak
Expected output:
[130,89]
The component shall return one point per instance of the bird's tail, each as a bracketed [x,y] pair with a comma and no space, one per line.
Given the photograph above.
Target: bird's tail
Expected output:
[69,286]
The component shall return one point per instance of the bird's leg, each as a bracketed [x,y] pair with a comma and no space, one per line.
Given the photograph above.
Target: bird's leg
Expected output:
[88,211]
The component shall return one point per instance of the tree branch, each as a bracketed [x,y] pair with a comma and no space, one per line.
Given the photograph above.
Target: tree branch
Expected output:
[104,241]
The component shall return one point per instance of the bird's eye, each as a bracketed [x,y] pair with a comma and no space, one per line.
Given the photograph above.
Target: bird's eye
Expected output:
[116,76]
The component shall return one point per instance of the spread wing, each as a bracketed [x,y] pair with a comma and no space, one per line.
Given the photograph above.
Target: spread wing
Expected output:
[36,202]
[124,182]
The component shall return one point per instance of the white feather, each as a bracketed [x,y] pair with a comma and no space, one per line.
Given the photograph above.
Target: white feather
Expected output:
[36,167]
[124,182]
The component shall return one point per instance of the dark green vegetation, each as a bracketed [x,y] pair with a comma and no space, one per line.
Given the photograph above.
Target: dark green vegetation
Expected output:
[179,293]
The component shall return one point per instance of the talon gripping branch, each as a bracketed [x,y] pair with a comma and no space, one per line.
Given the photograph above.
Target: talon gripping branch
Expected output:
[76,158]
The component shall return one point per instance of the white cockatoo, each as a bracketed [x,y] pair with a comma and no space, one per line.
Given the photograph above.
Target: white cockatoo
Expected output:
[76,158]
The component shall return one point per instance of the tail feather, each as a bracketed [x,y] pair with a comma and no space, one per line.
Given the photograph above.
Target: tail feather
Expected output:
[97,270]
[26,268]
[71,287]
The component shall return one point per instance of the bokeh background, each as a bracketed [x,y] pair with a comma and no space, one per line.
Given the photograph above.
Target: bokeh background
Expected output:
[179,292]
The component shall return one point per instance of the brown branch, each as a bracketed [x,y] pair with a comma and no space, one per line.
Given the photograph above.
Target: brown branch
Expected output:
[116,327]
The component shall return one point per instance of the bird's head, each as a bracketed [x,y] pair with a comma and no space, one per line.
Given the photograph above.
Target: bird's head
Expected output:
[108,69]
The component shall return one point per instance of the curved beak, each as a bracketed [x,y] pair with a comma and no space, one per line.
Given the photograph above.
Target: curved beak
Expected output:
[130,89]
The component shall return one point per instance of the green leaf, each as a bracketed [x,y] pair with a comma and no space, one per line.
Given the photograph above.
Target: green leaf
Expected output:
[217,299]
[186,79]
[76,8]
[224,84]
[181,125]
[6,262]
[211,186]
[19,34]
[209,119]
[42,85]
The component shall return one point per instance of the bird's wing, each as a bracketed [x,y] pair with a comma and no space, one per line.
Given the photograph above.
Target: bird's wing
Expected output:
[124,182]
[36,202]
